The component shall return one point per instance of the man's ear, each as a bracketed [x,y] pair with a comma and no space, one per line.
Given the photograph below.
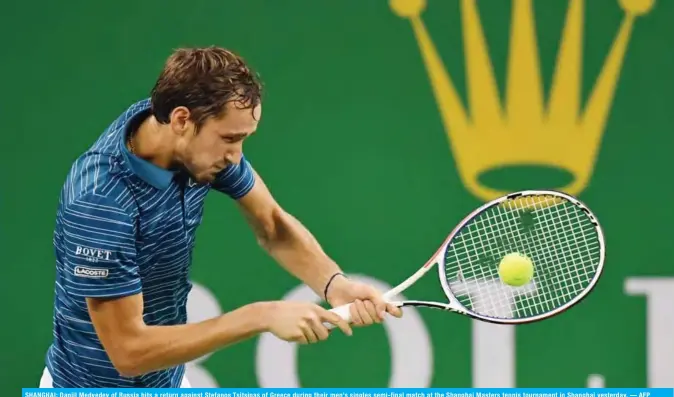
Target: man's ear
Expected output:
[180,120]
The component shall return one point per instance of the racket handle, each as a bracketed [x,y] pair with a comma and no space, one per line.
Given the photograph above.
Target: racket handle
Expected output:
[343,311]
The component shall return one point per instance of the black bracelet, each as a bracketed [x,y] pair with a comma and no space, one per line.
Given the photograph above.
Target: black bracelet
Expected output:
[325,292]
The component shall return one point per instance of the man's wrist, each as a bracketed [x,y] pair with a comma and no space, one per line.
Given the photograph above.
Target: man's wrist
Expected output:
[259,313]
[334,281]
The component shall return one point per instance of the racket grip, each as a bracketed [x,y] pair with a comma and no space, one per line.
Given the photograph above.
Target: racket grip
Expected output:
[343,311]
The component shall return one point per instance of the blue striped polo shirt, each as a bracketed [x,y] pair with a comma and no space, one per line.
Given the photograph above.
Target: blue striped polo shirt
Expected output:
[124,226]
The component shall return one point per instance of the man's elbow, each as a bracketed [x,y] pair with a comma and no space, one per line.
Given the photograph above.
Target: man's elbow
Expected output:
[274,229]
[127,360]
[127,369]
[126,365]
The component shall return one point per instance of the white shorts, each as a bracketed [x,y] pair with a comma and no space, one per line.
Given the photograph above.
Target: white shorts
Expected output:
[46,381]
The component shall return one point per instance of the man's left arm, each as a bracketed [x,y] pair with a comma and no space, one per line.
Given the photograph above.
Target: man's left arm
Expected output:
[297,250]
[287,240]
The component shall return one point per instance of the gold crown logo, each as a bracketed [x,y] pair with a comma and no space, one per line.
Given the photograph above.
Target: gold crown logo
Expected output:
[523,131]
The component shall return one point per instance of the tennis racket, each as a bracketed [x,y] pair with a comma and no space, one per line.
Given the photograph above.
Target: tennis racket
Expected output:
[556,231]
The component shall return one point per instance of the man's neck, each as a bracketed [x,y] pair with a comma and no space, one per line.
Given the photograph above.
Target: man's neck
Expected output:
[152,142]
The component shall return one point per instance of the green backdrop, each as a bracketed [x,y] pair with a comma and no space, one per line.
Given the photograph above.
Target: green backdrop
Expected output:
[350,112]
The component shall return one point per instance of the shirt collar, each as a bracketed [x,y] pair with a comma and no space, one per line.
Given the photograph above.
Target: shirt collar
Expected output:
[154,175]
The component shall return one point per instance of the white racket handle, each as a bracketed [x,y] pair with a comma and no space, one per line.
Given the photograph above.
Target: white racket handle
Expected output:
[343,311]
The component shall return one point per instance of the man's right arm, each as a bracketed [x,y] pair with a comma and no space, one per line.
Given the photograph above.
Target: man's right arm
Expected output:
[136,348]
[99,259]
[100,265]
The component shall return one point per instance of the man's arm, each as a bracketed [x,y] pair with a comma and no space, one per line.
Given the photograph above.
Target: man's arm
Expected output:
[286,239]
[279,233]
[96,223]
[295,248]
[136,348]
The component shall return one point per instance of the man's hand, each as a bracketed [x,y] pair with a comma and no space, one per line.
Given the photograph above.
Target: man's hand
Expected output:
[368,306]
[302,322]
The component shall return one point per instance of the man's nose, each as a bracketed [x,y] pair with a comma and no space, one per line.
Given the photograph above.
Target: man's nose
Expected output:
[233,157]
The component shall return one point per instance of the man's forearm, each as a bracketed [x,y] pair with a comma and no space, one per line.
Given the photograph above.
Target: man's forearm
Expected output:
[160,347]
[296,249]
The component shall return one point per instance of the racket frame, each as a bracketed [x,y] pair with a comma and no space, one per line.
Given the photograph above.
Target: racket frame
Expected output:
[454,305]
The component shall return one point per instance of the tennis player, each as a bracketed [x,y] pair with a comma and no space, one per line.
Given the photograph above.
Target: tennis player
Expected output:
[125,230]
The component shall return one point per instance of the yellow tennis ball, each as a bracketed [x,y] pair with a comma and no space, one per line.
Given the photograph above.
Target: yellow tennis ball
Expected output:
[516,269]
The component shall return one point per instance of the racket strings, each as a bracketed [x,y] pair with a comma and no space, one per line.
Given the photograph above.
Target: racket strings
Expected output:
[555,255]
[557,296]
[557,235]
[570,281]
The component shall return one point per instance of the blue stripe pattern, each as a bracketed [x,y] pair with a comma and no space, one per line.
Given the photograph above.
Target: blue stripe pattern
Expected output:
[124,226]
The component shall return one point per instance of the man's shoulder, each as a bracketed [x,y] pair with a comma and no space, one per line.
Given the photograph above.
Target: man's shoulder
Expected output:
[98,179]
[99,173]
[128,114]
[109,139]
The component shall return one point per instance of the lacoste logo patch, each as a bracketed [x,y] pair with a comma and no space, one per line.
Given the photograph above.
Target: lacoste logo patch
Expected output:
[91,272]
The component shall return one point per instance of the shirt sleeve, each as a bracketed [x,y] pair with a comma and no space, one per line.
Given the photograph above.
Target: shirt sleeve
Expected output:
[98,249]
[235,180]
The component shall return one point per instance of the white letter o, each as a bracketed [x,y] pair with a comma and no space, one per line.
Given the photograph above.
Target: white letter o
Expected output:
[411,350]
[201,305]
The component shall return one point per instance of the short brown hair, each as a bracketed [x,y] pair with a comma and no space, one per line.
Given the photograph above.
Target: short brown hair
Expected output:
[204,80]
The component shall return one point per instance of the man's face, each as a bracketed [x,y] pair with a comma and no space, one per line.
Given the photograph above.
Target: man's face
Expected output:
[218,143]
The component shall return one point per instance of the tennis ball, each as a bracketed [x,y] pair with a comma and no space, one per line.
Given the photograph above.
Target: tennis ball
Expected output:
[516,269]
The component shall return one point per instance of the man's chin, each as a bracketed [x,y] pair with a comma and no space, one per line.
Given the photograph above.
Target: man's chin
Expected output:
[205,178]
